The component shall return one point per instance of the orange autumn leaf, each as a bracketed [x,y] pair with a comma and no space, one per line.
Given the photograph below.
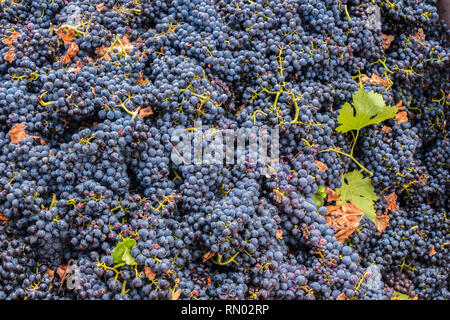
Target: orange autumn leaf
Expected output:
[61,271]
[145,112]
[401,117]
[126,43]
[399,105]
[345,219]
[67,37]
[238,112]
[3,218]
[419,34]
[100,6]
[387,39]
[71,52]
[9,40]
[141,80]
[208,256]
[149,273]
[51,154]
[17,133]
[381,222]
[320,165]
[279,234]
[176,295]
[432,251]
[10,55]
[279,195]
[51,273]
[331,195]
[341,296]
[386,129]
[391,200]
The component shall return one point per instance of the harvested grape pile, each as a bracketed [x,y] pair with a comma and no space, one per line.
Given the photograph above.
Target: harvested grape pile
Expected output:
[94,206]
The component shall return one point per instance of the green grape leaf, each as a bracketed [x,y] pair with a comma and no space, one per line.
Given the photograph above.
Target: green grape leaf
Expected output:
[368,108]
[128,258]
[319,196]
[400,296]
[358,190]
[120,253]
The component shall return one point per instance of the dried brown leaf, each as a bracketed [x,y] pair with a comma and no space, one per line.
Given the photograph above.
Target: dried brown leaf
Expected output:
[141,79]
[341,296]
[345,219]
[381,222]
[9,40]
[67,37]
[432,251]
[279,234]
[331,195]
[386,129]
[419,34]
[3,218]
[17,133]
[391,200]
[145,112]
[376,80]
[10,55]
[279,195]
[387,39]
[100,6]
[149,273]
[208,256]
[176,295]
[61,271]
[51,273]
[320,165]
[401,117]
[238,112]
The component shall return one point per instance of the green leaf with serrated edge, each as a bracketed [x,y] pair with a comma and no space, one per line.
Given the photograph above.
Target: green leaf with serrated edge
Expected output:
[369,108]
[319,196]
[119,250]
[400,296]
[358,190]
[128,258]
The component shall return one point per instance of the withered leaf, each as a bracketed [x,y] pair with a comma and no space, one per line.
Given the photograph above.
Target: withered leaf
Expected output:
[141,79]
[51,273]
[238,112]
[176,295]
[419,34]
[67,37]
[3,218]
[331,195]
[386,129]
[208,256]
[401,117]
[9,40]
[100,6]
[320,165]
[432,251]
[279,195]
[149,273]
[345,219]
[10,55]
[381,222]
[17,133]
[387,39]
[61,271]
[145,112]
[341,296]
[376,80]
[279,234]
[391,200]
